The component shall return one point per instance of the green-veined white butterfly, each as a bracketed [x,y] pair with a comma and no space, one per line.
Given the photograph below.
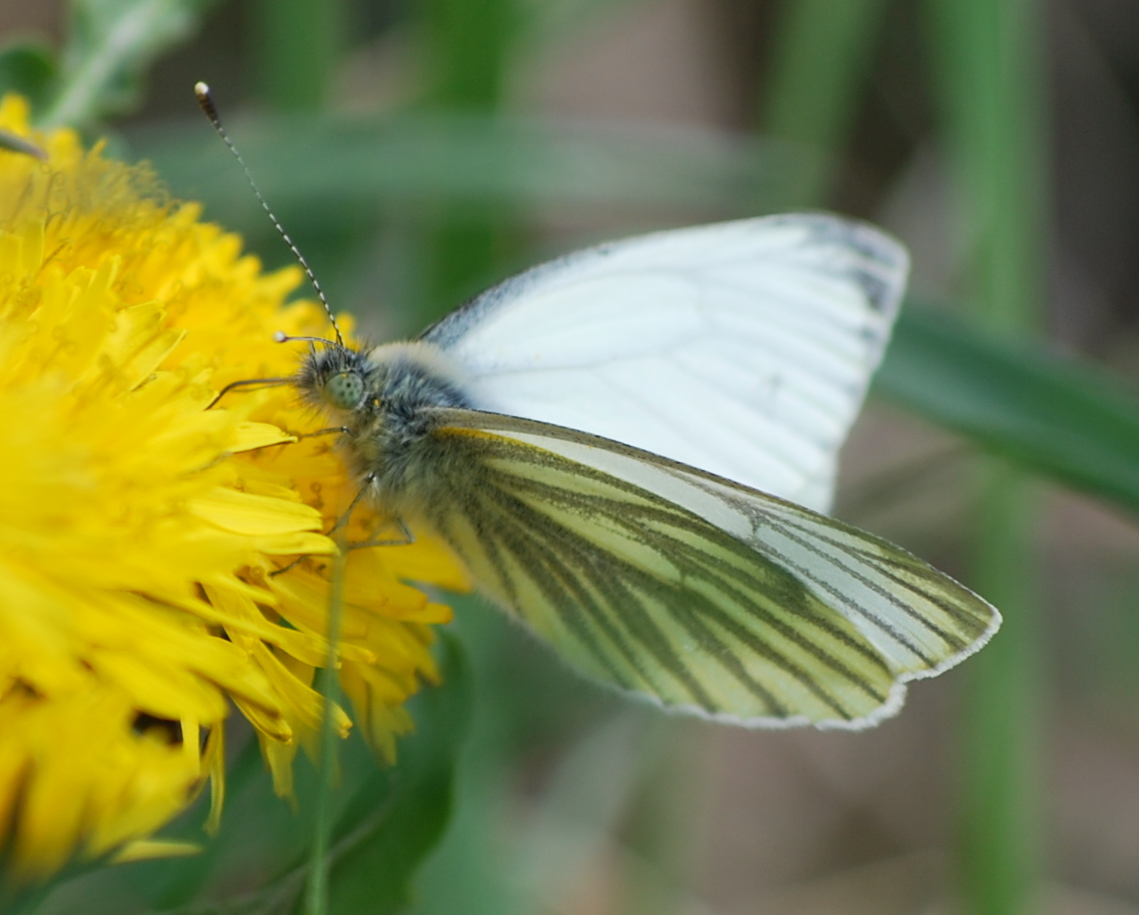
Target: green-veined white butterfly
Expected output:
[619,443]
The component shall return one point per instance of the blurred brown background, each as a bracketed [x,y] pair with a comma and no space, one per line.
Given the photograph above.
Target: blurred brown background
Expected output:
[613,809]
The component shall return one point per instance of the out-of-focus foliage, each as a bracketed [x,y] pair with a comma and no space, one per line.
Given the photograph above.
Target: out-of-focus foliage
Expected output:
[1055,415]
[406,204]
[100,72]
[28,68]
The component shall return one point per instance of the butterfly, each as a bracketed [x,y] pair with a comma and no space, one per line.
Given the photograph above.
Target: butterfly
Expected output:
[631,448]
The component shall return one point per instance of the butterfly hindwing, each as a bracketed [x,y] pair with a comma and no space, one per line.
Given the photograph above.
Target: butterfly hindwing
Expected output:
[687,588]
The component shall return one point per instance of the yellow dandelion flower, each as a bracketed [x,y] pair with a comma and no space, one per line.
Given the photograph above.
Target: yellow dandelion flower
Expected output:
[139,528]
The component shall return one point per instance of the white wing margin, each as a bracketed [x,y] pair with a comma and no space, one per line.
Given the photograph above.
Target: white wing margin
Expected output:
[742,348]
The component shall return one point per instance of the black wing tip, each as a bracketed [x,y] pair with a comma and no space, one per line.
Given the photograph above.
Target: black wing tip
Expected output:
[866,238]
[883,262]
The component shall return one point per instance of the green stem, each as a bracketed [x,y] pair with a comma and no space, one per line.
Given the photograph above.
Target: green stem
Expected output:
[1000,798]
[991,77]
[468,45]
[317,889]
[820,59]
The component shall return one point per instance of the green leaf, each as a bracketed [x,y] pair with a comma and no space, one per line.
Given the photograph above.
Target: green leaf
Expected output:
[28,68]
[20,898]
[1055,415]
[110,44]
[822,53]
[396,818]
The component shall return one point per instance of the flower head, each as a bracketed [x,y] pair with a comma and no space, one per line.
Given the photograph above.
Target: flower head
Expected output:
[141,531]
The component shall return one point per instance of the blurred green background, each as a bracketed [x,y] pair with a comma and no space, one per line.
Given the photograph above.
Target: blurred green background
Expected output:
[418,150]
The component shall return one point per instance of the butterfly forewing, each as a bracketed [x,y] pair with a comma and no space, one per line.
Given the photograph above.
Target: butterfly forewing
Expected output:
[688,588]
[742,348]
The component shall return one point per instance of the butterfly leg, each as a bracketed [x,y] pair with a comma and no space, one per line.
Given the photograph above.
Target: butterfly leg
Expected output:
[342,430]
[369,481]
[253,383]
[406,538]
[292,565]
[344,518]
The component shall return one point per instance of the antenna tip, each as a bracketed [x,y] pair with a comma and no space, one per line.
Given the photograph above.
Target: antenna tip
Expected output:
[206,103]
[280,337]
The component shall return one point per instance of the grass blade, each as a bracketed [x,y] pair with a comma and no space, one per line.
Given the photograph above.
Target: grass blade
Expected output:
[991,74]
[317,888]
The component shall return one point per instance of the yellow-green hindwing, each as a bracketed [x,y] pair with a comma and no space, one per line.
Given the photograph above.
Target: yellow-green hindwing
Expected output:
[688,588]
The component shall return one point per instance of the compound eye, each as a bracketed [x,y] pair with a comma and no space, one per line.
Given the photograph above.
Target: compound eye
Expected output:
[344,391]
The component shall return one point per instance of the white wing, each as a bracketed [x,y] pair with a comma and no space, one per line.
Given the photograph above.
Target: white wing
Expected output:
[743,348]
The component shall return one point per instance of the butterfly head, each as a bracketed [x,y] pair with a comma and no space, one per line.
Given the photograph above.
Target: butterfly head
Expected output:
[344,390]
[334,378]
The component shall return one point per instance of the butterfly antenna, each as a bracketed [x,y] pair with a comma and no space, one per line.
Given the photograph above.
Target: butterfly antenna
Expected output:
[282,337]
[206,101]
